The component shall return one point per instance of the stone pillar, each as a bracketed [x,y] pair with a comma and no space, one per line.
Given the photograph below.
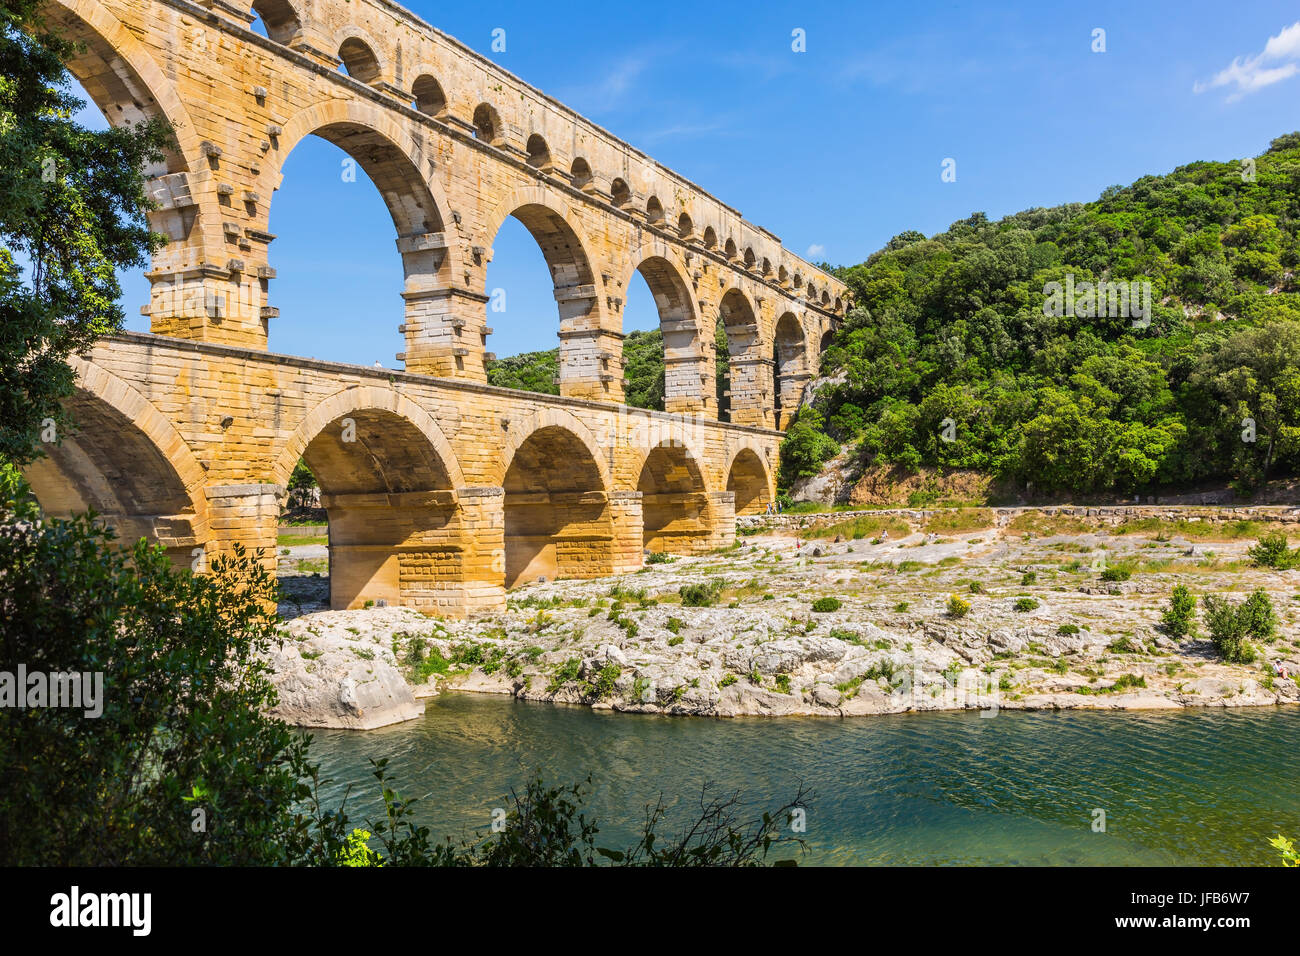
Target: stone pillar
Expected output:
[591,364]
[628,552]
[483,540]
[445,329]
[690,363]
[722,511]
[677,522]
[791,388]
[400,548]
[221,304]
[751,390]
[583,540]
[247,515]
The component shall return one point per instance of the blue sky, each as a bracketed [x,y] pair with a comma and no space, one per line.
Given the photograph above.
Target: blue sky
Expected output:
[835,149]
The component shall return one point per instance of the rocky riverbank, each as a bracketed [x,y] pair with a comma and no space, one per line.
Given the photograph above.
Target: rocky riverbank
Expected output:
[743,632]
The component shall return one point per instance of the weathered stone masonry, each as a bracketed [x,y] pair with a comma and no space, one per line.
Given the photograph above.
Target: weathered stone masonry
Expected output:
[441,491]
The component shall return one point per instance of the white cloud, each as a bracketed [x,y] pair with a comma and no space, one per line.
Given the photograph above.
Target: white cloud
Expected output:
[814,251]
[1278,61]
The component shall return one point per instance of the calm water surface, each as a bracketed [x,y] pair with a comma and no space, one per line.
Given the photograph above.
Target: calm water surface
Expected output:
[1206,787]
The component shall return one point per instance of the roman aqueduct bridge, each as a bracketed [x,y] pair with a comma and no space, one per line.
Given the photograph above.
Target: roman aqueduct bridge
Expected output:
[441,490]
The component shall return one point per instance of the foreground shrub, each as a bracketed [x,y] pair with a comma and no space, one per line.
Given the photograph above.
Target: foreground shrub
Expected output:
[826,604]
[1271,551]
[701,595]
[1179,618]
[1232,626]
[182,738]
[957,607]
[1026,604]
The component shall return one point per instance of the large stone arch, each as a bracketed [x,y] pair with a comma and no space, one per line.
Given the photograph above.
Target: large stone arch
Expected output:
[546,418]
[590,351]
[688,378]
[388,482]
[347,400]
[121,77]
[400,165]
[748,379]
[790,356]
[676,511]
[128,463]
[558,520]
[749,477]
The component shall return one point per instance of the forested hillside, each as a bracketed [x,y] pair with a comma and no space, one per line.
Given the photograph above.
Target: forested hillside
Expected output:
[951,360]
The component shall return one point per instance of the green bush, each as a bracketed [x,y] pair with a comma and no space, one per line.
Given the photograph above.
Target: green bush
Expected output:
[183,727]
[659,557]
[976,587]
[1179,618]
[957,608]
[826,604]
[701,595]
[1028,578]
[1026,604]
[1271,551]
[1232,626]
[1067,629]
[1117,572]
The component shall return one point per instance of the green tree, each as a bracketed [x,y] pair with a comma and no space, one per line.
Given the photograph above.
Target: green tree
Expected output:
[72,213]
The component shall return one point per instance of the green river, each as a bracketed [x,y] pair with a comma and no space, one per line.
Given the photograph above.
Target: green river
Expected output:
[1183,787]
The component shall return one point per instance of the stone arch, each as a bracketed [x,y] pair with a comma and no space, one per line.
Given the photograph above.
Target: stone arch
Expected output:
[387,477]
[790,355]
[675,512]
[564,246]
[750,259]
[539,154]
[550,418]
[429,96]
[127,462]
[398,164]
[685,228]
[487,124]
[654,210]
[281,20]
[710,238]
[121,77]
[360,56]
[347,400]
[686,384]
[748,477]
[742,398]
[729,250]
[580,174]
[620,192]
[557,516]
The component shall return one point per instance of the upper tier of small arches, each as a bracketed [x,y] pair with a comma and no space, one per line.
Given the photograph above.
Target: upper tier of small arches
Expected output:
[415,66]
